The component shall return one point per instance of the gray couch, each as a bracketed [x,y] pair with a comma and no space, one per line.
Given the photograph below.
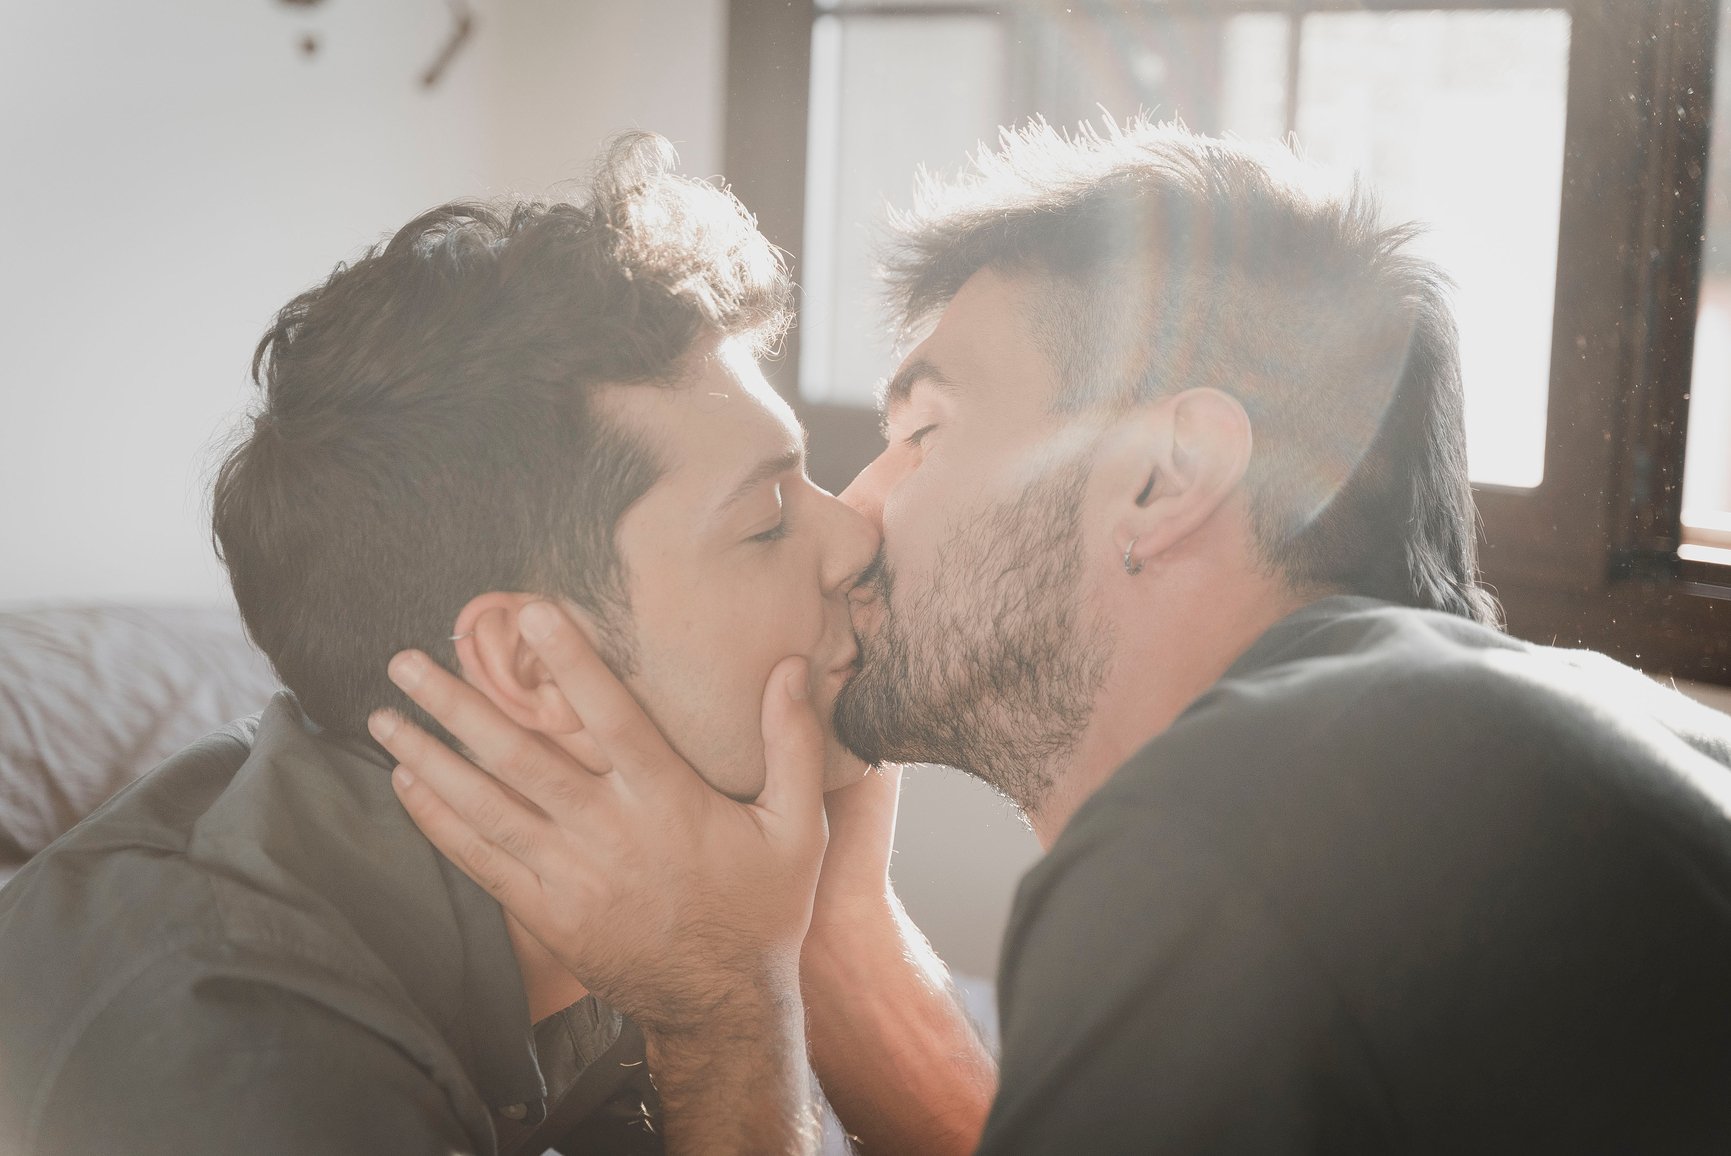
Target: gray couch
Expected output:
[91,697]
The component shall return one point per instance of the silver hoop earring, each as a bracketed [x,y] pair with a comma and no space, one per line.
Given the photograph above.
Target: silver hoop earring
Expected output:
[1131,567]
[460,637]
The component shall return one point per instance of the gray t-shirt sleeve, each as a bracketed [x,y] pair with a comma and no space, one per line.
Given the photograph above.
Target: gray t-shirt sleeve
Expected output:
[251,1068]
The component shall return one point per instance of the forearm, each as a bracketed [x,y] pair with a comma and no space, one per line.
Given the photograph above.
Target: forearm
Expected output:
[739,1083]
[900,1062]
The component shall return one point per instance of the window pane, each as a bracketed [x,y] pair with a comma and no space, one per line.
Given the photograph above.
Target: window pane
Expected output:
[1424,103]
[888,95]
[1707,460]
[1253,76]
[1457,119]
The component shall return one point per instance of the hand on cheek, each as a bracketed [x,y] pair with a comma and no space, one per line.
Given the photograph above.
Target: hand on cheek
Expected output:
[665,897]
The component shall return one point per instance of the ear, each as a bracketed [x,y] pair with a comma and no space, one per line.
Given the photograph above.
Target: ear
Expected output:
[497,662]
[1169,467]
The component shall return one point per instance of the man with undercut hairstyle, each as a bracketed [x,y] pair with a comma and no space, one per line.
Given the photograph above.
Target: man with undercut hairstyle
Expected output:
[252,949]
[1178,553]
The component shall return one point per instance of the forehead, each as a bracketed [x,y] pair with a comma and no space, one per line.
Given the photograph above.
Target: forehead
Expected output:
[721,416]
[983,342]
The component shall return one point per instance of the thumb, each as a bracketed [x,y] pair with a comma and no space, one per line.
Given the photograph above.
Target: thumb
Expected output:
[793,744]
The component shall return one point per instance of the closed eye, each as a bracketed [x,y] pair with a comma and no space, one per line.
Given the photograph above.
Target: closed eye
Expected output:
[774,534]
[919,436]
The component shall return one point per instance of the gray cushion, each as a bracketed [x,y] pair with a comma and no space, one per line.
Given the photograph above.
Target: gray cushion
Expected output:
[91,697]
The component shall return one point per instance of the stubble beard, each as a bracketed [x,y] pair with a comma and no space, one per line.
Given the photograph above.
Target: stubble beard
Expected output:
[994,667]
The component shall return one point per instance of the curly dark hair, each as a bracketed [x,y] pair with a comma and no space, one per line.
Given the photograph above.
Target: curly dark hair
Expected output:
[1165,260]
[428,429]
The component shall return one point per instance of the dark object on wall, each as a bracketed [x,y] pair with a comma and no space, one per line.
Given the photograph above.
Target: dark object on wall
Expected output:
[462,28]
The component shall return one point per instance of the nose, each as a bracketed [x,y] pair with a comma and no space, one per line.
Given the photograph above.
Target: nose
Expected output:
[853,543]
[865,494]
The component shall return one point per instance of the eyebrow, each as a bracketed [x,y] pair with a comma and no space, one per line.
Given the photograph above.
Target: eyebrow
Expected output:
[899,388]
[789,459]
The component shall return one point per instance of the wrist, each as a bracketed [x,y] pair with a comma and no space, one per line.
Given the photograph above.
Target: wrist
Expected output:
[866,917]
[737,1079]
[861,923]
[761,1006]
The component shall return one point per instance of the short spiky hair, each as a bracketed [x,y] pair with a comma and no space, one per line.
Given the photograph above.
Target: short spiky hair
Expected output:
[1165,261]
[428,429]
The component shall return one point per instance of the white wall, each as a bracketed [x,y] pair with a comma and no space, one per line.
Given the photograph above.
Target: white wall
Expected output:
[960,851]
[174,172]
[581,70]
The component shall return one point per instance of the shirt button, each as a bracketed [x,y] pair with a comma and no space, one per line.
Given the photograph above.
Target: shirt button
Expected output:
[514,1111]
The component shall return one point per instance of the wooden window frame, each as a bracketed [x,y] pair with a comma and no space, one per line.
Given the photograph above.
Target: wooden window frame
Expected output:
[1589,557]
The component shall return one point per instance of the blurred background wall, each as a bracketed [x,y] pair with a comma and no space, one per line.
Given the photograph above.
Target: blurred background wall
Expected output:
[175,172]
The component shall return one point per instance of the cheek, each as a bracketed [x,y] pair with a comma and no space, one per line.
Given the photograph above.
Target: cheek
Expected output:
[782,609]
[732,628]
[706,653]
[921,512]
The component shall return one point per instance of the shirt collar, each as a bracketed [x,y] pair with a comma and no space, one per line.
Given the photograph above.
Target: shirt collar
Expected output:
[326,809]
[1281,638]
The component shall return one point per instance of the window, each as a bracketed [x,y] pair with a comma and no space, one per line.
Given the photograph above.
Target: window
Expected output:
[1707,448]
[1422,103]
[1559,150]
[865,140]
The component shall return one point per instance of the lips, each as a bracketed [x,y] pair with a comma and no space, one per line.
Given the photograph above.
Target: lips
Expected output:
[866,614]
[847,665]
[868,600]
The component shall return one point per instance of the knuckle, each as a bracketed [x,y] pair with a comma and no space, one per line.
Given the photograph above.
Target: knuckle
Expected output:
[488,813]
[483,865]
[515,840]
[522,756]
[590,754]
[614,729]
[562,792]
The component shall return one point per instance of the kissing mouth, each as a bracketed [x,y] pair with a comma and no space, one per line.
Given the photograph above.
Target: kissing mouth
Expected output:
[848,665]
[871,585]
[868,602]
[866,616]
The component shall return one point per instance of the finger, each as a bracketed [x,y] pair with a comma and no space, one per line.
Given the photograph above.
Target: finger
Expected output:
[506,878]
[626,737]
[520,758]
[510,821]
[584,749]
[793,743]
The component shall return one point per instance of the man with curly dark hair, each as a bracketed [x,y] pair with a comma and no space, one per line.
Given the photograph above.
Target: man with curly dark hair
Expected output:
[253,949]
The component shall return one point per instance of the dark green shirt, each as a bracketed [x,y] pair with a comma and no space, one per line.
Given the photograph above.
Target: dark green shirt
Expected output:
[252,949]
[1397,883]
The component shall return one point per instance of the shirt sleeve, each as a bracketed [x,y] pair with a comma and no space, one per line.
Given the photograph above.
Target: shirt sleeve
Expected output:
[254,1069]
[1153,1002]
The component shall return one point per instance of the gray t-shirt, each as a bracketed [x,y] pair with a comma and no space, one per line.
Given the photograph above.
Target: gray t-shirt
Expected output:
[252,949]
[1397,883]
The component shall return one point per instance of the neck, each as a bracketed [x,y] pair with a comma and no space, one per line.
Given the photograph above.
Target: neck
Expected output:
[548,985]
[1174,641]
